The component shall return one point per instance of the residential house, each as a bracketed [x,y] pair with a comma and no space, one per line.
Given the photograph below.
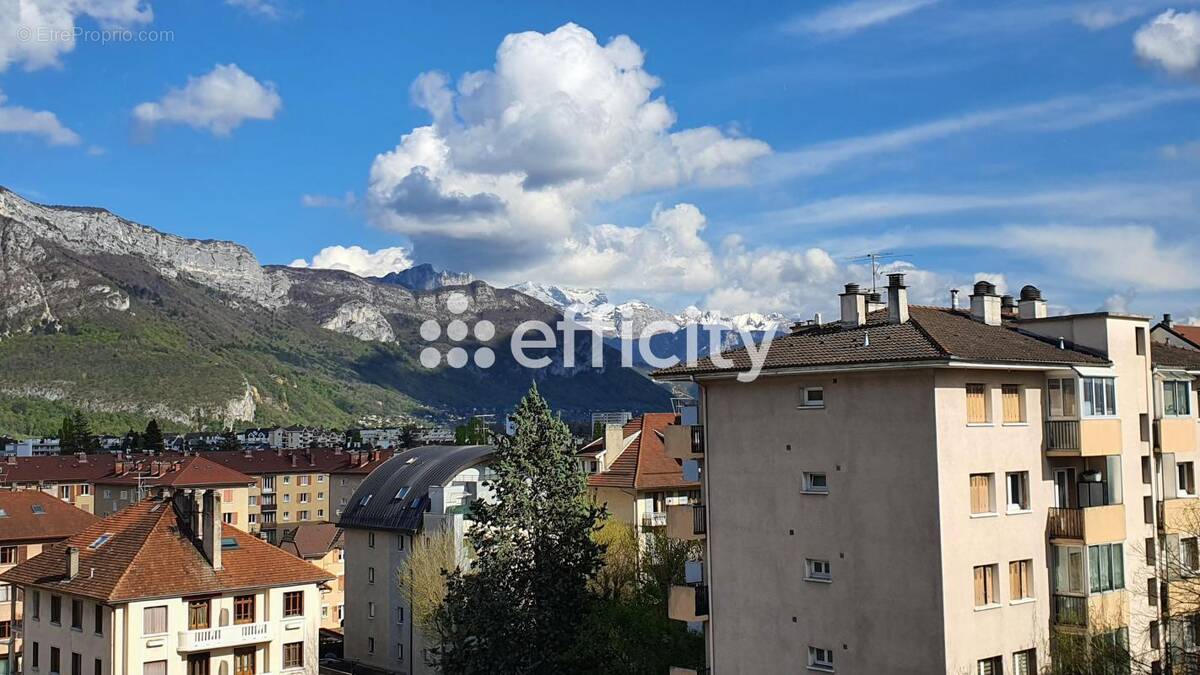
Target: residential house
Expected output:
[132,480]
[321,545]
[68,477]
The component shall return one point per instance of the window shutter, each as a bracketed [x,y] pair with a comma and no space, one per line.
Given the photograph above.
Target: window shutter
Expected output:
[22,553]
[1011,395]
[979,587]
[1170,476]
[979,494]
[1014,580]
[976,403]
[1173,559]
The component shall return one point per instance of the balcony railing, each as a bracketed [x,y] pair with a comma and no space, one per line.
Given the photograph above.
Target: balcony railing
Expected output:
[684,441]
[236,635]
[655,519]
[1065,523]
[702,600]
[1070,610]
[699,525]
[1062,434]
[686,521]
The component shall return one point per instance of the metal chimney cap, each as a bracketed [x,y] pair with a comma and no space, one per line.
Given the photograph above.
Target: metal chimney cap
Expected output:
[851,289]
[896,280]
[1031,292]
[985,288]
[1007,301]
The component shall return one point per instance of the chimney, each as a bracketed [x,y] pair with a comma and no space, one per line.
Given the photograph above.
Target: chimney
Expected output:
[954,298]
[211,529]
[1031,305]
[897,303]
[854,306]
[614,442]
[119,467]
[375,455]
[985,304]
[72,562]
[293,456]
[82,457]
[875,302]
[1008,307]
[1168,321]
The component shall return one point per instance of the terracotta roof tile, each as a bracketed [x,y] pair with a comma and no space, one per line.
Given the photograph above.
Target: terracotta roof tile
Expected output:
[644,464]
[55,468]
[51,519]
[1174,357]
[312,540]
[179,472]
[147,556]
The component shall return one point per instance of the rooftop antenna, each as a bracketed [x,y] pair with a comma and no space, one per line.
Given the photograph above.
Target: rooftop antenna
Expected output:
[875,259]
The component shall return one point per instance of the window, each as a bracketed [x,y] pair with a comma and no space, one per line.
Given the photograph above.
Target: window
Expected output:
[56,661]
[817,570]
[1189,556]
[1106,567]
[992,666]
[985,586]
[56,609]
[243,609]
[85,489]
[812,397]
[371,539]
[1139,338]
[155,668]
[370,610]
[981,494]
[36,655]
[1186,484]
[1099,396]
[287,480]
[370,645]
[35,604]
[303,497]
[820,658]
[98,667]
[1014,408]
[1020,580]
[320,513]
[98,619]
[320,478]
[399,542]
[198,615]
[5,630]
[302,515]
[6,593]
[293,603]
[302,480]
[370,575]
[1177,397]
[8,555]
[76,664]
[64,492]
[154,620]
[77,614]
[293,655]
[1062,397]
[1018,491]
[977,408]
[227,517]
[287,499]
[399,651]
[399,615]
[816,483]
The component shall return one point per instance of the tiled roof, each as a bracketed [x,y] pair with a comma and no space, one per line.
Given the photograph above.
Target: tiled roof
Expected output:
[56,468]
[51,519]
[931,334]
[1183,331]
[644,464]
[311,540]
[147,556]
[257,462]
[1174,357]
[363,462]
[183,472]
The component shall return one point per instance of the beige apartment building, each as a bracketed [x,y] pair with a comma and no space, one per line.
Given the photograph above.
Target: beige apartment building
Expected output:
[133,479]
[163,588]
[931,489]
[70,478]
[29,521]
[321,545]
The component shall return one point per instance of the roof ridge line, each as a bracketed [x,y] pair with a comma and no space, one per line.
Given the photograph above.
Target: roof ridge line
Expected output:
[932,340]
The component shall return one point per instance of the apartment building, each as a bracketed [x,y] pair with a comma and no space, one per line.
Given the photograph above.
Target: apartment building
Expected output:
[926,489]
[629,471]
[321,545]
[345,479]
[134,479]
[29,521]
[163,588]
[424,490]
[68,477]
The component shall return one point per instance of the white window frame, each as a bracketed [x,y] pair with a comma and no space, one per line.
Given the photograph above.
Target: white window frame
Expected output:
[1011,505]
[1089,383]
[820,658]
[1185,474]
[806,402]
[818,570]
[810,487]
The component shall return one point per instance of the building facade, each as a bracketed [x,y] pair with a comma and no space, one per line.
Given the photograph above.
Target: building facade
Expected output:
[321,544]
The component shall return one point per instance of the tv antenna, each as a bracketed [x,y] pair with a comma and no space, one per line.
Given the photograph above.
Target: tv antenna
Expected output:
[875,259]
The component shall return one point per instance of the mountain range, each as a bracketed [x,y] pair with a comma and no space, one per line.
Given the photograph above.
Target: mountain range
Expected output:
[126,322]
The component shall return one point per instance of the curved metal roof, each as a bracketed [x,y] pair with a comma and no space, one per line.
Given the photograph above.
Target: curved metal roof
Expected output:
[375,504]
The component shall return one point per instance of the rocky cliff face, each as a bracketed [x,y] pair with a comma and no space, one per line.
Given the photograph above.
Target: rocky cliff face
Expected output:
[425,277]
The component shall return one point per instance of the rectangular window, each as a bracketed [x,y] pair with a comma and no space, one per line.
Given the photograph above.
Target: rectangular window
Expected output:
[817,570]
[399,542]
[154,620]
[977,408]
[982,494]
[1189,556]
[198,615]
[36,603]
[1186,475]
[820,658]
[293,603]
[370,540]
[1018,490]
[243,609]
[1025,663]
[985,586]
[1020,580]
[77,614]
[1099,396]
[36,655]
[155,668]
[812,397]
[8,555]
[370,645]
[303,497]
[56,661]
[1014,408]
[5,630]
[992,666]
[370,575]
[399,615]
[1061,392]
[370,610]
[98,619]
[56,609]
[1177,397]
[1106,567]
[98,667]
[816,482]
[399,651]
[76,663]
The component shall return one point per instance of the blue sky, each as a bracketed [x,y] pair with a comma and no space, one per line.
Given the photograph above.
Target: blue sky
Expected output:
[737,158]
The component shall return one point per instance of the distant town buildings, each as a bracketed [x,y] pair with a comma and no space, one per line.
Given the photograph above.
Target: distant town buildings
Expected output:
[321,545]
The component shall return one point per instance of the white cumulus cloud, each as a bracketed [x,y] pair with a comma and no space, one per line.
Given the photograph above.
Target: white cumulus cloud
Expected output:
[19,120]
[218,101]
[35,33]
[1172,41]
[358,260]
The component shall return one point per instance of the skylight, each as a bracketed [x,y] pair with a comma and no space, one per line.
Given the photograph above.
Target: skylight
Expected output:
[402,492]
[38,509]
[3,513]
[100,541]
[364,500]
[229,542]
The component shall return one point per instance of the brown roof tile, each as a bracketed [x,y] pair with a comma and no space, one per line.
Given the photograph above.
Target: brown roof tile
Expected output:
[147,556]
[179,472]
[644,464]
[1174,357]
[311,540]
[33,515]
[56,468]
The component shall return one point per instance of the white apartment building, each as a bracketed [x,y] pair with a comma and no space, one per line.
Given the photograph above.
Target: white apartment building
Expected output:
[934,489]
[162,588]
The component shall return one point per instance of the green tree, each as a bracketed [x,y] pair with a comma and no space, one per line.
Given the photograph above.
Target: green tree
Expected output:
[152,439]
[535,557]
[354,438]
[67,440]
[85,440]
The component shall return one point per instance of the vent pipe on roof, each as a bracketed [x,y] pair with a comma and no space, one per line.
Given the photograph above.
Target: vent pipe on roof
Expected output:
[817,318]
[875,302]
[953,298]
[985,304]
[72,562]
[1031,305]
[854,306]
[1168,321]
[897,304]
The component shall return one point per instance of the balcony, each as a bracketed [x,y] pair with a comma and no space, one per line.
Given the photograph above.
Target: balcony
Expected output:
[1083,438]
[684,441]
[1179,516]
[1071,611]
[688,603]
[1077,612]
[239,635]
[686,522]
[1175,434]
[268,508]
[654,519]
[1091,525]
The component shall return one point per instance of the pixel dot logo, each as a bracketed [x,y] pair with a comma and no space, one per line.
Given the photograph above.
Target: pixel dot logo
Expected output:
[456,331]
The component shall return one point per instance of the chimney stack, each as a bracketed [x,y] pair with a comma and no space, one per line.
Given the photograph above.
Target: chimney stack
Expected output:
[1008,307]
[854,306]
[954,298]
[875,302]
[985,304]
[1168,321]
[897,302]
[72,562]
[1031,305]
[211,528]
